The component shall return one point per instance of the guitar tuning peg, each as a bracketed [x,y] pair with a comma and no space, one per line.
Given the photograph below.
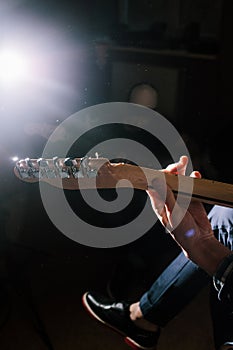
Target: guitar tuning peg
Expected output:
[85,170]
[42,162]
[68,162]
[22,169]
[72,170]
[29,162]
[71,162]
[55,159]
[46,170]
[27,168]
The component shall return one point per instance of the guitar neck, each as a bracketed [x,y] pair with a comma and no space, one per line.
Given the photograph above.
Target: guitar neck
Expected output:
[90,173]
[203,190]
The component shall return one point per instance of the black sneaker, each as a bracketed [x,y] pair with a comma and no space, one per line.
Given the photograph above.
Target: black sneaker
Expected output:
[116,316]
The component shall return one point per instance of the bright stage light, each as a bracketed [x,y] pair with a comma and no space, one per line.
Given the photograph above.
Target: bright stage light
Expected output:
[14,67]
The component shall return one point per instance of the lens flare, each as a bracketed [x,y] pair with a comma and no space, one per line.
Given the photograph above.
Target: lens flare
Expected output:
[14,67]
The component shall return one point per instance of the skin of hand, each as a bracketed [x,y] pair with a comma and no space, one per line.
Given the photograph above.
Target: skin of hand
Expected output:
[191,229]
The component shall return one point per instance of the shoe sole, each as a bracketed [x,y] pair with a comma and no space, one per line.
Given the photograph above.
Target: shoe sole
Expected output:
[129,341]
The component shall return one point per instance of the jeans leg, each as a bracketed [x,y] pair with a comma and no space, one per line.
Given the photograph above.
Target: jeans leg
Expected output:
[173,289]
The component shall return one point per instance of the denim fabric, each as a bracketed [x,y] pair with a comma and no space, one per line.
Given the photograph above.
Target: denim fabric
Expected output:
[174,289]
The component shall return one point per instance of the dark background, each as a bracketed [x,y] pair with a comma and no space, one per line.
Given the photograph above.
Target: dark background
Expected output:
[86,53]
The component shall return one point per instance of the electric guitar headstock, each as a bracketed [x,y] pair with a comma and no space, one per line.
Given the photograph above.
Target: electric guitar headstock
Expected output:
[32,170]
[66,173]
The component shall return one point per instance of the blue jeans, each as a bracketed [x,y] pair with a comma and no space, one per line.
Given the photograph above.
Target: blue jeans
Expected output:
[174,288]
[182,280]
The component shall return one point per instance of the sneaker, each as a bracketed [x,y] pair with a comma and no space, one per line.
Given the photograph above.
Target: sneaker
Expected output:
[116,316]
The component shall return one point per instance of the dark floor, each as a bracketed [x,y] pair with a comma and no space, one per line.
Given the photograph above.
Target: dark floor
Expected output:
[52,286]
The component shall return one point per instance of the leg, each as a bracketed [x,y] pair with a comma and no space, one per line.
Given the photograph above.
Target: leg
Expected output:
[174,289]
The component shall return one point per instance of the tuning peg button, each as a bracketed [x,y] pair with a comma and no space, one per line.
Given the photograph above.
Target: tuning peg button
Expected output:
[42,162]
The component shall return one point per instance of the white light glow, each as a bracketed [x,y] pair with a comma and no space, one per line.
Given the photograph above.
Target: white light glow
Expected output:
[14,67]
[15,158]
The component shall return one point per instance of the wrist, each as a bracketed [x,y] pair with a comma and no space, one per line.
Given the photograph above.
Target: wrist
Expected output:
[209,255]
